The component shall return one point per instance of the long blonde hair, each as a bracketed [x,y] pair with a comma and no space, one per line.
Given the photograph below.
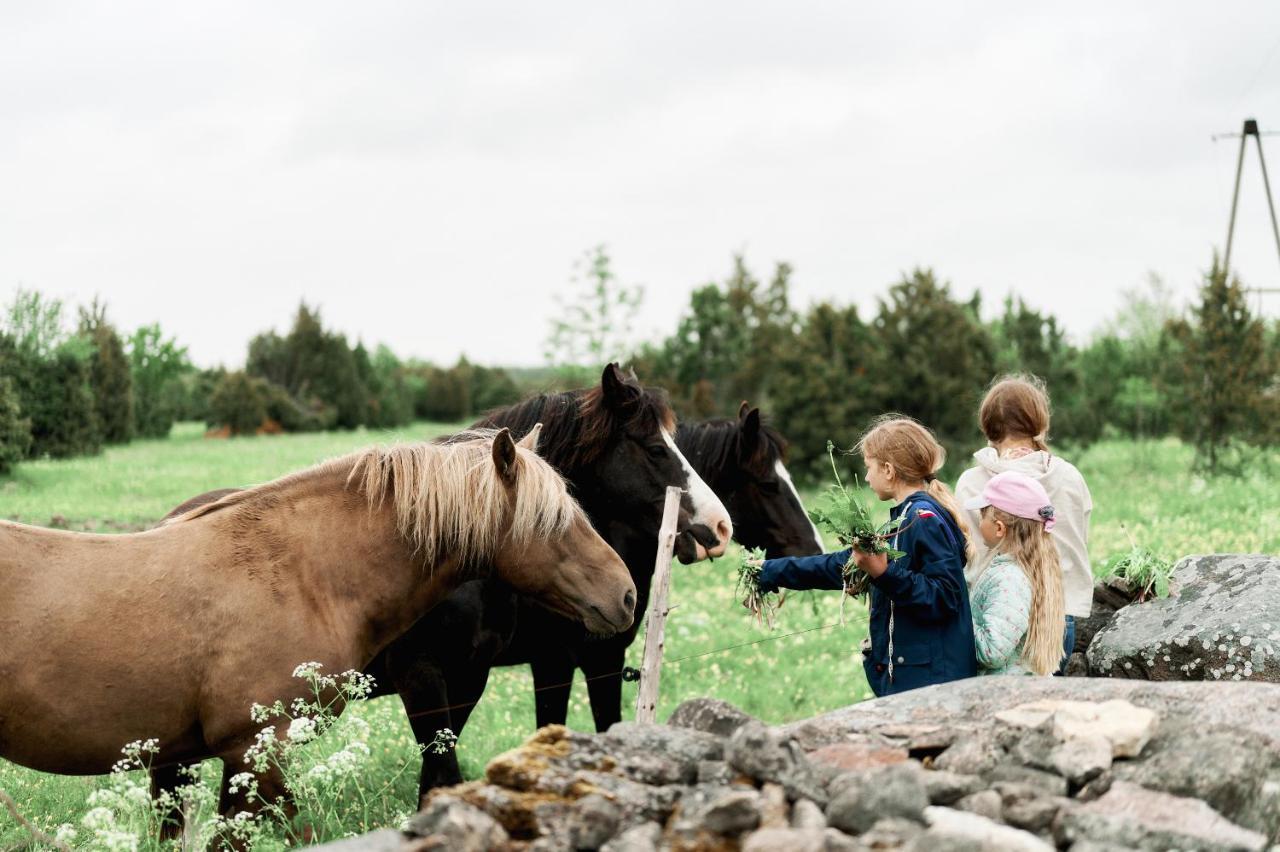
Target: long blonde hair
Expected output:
[916,456]
[1027,543]
[1016,406]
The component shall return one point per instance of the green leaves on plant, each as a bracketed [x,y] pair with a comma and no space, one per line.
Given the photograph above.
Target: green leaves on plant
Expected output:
[842,512]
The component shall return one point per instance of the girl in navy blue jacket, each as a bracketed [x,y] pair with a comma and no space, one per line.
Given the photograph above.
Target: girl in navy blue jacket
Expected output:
[921,628]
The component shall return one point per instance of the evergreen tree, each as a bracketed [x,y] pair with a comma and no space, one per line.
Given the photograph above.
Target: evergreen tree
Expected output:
[726,347]
[938,359]
[15,430]
[55,394]
[239,402]
[823,389]
[1225,370]
[49,371]
[109,375]
[316,367]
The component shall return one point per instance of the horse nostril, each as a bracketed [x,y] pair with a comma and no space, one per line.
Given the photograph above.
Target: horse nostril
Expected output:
[629,601]
[724,531]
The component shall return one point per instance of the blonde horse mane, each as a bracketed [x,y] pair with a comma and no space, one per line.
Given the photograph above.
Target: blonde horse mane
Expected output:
[448,498]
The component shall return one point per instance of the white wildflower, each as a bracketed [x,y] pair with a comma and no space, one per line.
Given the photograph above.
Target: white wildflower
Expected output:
[301,730]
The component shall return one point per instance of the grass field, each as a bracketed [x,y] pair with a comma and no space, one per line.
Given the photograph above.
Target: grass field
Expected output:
[1148,488]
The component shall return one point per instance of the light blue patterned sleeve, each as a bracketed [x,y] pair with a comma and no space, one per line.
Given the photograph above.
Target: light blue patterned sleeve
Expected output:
[1002,616]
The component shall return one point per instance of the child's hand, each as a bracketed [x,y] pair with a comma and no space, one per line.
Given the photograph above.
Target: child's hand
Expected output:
[754,561]
[871,564]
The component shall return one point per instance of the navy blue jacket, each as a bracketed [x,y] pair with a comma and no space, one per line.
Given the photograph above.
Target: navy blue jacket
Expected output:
[919,605]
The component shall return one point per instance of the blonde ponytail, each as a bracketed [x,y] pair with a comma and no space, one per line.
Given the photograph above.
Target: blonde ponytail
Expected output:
[938,490]
[1030,546]
[917,457]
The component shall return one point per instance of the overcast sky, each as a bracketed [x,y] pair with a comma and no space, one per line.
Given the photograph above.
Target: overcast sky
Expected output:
[428,173]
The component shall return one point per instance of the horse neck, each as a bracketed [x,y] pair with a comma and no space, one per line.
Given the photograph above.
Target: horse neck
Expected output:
[347,551]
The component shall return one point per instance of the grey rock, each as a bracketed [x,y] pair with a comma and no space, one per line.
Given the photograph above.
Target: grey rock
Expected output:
[976,753]
[1137,818]
[715,772]
[1224,767]
[806,814]
[684,746]
[1224,624]
[758,752]
[1035,814]
[732,813]
[785,840]
[774,812]
[891,833]
[895,791]
[594,821]
[459,825]
[641,838]
[1041,783]
[945,787]
[984,803]
[838,841]
[709,715]
[1109,596]
[960,827]
[968,706]
[1081,759]
[386,840]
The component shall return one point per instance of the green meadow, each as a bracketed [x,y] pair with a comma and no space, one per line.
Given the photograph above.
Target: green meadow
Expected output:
[807,664]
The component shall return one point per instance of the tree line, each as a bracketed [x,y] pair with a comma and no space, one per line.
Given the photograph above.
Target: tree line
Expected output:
[70,390]
[1207,373]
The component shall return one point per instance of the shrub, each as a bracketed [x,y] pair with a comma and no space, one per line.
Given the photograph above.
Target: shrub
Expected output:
[15,430]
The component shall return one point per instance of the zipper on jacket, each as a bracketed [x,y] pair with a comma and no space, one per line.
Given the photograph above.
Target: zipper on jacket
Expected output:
[905,509]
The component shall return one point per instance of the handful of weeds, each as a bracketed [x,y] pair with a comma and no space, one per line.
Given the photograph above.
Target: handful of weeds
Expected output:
[1144,572]
[763,605]
[842,512]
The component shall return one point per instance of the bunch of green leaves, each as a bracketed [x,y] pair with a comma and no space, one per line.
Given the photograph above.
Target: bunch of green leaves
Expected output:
[762,605]
[1143,571]
[842,512]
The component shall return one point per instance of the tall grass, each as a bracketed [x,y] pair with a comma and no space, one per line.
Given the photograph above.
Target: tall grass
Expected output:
[1147,487]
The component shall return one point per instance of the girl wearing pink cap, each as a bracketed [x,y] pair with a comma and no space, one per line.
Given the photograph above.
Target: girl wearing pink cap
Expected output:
[1018,604]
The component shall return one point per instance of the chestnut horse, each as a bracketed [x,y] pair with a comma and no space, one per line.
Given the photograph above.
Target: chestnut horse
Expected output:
[176,632]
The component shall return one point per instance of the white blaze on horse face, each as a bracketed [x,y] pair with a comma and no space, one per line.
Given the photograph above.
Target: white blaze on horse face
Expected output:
[707,508]
[785,476]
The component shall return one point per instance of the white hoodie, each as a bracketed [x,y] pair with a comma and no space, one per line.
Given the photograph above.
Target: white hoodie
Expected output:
[1072,504]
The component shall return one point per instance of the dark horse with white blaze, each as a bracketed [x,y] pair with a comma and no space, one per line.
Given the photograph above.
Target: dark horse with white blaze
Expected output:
[175,633]
[440,667]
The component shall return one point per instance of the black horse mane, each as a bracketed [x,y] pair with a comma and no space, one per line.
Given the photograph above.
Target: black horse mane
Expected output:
[714,443]
[577,425]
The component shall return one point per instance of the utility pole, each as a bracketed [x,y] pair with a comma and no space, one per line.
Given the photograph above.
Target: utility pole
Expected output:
[1250,129]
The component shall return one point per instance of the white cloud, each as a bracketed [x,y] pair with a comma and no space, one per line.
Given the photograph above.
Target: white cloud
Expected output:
[428,176]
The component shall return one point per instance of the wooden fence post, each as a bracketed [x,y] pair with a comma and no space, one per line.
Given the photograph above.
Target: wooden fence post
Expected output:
[651,668]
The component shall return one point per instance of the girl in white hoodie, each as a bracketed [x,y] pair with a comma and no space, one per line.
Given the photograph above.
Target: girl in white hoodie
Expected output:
[1015,418]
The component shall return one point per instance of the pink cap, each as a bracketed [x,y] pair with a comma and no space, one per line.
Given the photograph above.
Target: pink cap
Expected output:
[1017,494]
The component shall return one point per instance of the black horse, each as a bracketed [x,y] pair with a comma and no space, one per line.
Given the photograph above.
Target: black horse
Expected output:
[443,664]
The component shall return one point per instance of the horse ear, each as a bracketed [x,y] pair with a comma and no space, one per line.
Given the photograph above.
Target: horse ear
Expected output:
[504,455]
[749,429]
[530,440]
[743,409]
[617,391]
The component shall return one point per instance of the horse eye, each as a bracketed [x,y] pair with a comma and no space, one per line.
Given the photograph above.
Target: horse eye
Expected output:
[657,451]
[770,487]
